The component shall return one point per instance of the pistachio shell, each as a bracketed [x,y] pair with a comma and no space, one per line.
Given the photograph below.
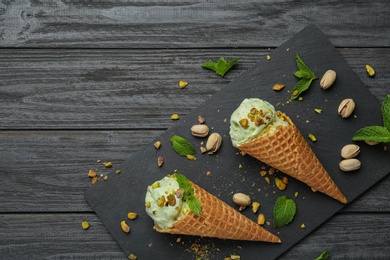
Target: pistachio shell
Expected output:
[213,142]
[348,165]
[200,130]
[346,107]
[241,199]
[350,151]
[328,79]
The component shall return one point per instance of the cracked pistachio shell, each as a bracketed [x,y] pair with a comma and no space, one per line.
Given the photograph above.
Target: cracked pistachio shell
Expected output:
[350,151]
[346,107]
[349,165]
[200,130]
[213,142]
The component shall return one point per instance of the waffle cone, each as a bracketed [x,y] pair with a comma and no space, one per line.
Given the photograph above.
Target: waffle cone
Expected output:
[219,220]
[285,149]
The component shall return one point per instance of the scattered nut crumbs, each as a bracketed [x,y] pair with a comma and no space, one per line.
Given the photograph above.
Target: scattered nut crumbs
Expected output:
[105,177]
[118,171]
[175,117]
[157,144]
[201,120]
[370,70]
[261,219]
[268,57]
[132,215]
[318,110]
[183,84]
[240,166]
[133,257]
[125,228]
[92,173]
[107,164]
[280,184]
[191,157]
[160,161]
[85,225]
[312,137]
[278,87]
[303,225]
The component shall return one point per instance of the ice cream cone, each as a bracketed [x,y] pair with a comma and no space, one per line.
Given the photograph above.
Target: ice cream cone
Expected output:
[286,149]
[218,220]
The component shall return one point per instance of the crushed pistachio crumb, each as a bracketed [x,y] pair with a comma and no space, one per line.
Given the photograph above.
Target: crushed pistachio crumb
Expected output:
[85,225]
[107,164]
[183,84]
[175,117]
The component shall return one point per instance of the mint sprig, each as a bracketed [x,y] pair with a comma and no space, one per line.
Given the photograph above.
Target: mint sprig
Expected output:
[221,67]
[377,133]
[189,194]
[305,75]
[182,146]
[284,211]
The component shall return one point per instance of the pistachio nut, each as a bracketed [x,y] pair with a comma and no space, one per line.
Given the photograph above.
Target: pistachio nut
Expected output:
[350,151]
[348,165]
[371,142]
[213,142]
[346,107]
[328,79]
[200,130]
[241,199]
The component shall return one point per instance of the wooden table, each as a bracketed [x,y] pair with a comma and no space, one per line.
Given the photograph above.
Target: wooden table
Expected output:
[82,81]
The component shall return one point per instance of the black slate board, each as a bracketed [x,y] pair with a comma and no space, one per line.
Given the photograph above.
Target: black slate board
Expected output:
[114,198]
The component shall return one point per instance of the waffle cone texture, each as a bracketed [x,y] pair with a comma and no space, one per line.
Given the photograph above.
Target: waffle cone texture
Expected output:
[218,220]
[286,149]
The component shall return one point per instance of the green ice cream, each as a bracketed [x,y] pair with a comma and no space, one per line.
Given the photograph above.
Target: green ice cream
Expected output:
[164,202]
[254,117]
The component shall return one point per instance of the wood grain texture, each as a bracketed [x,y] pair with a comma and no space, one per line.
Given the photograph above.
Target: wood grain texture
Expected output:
[174,24]
[46,171]
[60,236]
[82,80]
[123,89]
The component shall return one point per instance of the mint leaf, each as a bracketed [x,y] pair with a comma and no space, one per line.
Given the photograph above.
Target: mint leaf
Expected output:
[372,133]
[182,146]
[195,206]
[323,256]
[306,76]
[222,67]
[301,86]
[386,112]
[284,211]
[189,194]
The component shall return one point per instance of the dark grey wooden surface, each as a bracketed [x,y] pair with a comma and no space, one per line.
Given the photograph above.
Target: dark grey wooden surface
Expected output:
[88,80]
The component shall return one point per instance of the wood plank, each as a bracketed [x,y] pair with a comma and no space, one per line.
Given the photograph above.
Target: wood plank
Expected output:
[60,236]
[46,171]
[173,24]
[123,89]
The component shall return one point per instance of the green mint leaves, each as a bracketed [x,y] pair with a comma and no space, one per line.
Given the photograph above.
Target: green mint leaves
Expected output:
[189,194]
[305,75]
[221,67]
[182,146]
[284,211]
[377,133]
[323,256]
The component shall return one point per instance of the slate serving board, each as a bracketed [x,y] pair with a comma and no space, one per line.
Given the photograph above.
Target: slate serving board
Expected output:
[121,193]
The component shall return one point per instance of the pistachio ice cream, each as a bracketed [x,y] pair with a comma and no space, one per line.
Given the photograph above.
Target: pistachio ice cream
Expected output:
[271,137]
[179,206]
[164,202]
[254,117]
